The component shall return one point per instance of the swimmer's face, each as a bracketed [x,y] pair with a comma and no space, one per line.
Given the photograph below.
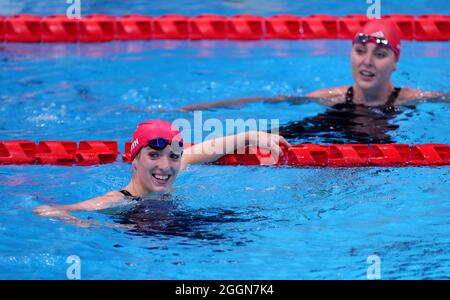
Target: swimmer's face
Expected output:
[156,170]
[372,65]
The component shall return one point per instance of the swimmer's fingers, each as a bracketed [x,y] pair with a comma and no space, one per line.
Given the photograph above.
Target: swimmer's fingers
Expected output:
[269,144]
[270,154]
[275,141]
[283,142]
[275,151]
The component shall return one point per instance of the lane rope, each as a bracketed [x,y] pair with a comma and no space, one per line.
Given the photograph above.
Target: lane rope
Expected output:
[105,28]
[87,153]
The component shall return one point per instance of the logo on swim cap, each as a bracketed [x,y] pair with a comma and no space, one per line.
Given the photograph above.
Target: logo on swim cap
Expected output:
[134,144]
[378,34]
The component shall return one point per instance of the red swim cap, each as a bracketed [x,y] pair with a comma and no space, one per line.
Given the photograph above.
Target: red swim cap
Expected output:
[385,29]
[150,130]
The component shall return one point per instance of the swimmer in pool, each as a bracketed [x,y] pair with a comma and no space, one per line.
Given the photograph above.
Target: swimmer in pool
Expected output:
[360,113]
[157,156]
[374,55]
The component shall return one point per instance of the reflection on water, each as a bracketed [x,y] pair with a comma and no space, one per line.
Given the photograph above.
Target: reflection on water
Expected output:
[345,123]
[162,214]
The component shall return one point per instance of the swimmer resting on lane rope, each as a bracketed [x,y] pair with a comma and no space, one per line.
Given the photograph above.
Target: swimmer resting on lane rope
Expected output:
[374,55]
[359,113]
[157,156]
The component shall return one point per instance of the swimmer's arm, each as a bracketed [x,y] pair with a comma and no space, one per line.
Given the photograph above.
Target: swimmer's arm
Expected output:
[235,103]
[63,211]
[212,150]
[438,97]
[329,96]
[409,95]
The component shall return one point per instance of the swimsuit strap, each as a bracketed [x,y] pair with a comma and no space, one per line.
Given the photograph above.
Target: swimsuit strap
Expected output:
[393,96]
[126,193]
[349,95]
[389,103]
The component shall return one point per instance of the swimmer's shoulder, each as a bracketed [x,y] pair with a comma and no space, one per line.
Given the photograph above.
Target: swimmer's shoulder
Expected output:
[330,96]
[409,95]
[114,195]
[110,197]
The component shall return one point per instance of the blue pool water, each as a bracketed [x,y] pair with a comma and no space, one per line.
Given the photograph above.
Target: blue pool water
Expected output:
[222,222]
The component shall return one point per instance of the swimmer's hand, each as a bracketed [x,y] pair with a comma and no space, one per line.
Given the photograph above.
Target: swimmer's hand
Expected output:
[268,141]
[55,212]
[213,149]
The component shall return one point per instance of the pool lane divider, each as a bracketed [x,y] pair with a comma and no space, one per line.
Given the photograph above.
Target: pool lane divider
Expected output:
[105,28]
[87,153]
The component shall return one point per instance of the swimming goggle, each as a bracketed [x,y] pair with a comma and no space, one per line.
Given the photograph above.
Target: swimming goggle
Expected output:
[161,143]
[363,38]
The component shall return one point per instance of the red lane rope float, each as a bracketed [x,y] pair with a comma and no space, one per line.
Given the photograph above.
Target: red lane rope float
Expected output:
[283,27]
[17,152]
[2,28]
[171,27]
[104,28]
[96,152]
[349,155]
[405,25]
[350,25]
[134,27]
[208,27]
[59,29]
[245,27]
[320,26]
[432,28]
[336,155]
[97,28]
[58,152]
[23,28]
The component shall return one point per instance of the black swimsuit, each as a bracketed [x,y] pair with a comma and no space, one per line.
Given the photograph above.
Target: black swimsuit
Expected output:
[128,194]
[388,106]
[346,122]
